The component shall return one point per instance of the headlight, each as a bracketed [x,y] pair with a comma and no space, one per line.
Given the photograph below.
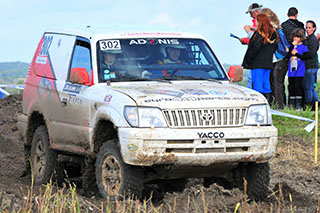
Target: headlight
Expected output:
[144,117]
[259,115]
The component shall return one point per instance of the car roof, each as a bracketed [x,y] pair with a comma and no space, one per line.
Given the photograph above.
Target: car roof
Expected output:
[97,32]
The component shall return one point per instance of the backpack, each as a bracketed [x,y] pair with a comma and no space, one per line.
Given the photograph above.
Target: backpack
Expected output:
[281,51]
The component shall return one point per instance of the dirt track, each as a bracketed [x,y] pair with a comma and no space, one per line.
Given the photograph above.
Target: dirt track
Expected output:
[292,168]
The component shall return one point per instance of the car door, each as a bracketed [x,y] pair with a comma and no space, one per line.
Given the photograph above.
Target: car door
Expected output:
[72,129]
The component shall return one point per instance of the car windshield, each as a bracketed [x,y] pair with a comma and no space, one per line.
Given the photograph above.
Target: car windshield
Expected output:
[157,59]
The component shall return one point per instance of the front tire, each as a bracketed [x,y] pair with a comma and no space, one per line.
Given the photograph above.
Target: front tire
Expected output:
[258,178]
[115,179]
[43,159]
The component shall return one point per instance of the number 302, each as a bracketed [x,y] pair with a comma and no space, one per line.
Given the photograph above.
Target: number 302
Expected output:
[110,45]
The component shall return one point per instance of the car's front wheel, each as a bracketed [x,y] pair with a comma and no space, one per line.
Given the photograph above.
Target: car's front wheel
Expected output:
[258,178]
[115,179]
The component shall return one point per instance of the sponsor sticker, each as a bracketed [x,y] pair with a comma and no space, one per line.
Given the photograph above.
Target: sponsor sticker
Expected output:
[194,98]
[153,41]
[165,92]
[217,92]
[47,41]
[72,88]
[44,89]
[41,60]
[132,147]
[107,99]
[194,91]
[73,99]
[211,135]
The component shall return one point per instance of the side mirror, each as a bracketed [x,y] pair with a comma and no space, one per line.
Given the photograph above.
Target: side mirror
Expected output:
[235,73]
[80,75]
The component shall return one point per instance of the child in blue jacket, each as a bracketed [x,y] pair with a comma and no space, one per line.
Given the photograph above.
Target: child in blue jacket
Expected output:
[297,55]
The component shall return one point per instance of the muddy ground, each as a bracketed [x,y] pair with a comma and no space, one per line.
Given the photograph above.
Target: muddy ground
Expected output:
[292,168]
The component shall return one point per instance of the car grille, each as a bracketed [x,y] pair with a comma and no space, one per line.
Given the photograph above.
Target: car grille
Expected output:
[205,117]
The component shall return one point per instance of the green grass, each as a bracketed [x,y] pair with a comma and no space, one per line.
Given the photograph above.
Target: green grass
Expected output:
[295,127]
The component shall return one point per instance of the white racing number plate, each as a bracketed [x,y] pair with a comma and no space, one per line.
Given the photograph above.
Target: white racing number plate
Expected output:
[110,45]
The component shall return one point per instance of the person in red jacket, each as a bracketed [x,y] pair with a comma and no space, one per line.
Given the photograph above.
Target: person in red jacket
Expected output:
[254,10]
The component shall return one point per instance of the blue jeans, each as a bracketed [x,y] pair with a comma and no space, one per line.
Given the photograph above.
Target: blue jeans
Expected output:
[310,93]
[261,80]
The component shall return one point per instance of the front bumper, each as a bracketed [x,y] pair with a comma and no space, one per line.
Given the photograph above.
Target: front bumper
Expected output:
[197,147]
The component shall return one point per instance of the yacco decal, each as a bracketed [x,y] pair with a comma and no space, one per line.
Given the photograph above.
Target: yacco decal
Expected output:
[107,99]
[202,99]
[153,41]
[217,92]
[73,99]
[210,135]
[194,91]
[72,88]
[165,92]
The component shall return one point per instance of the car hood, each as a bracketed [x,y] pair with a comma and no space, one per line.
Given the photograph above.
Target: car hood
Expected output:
[191,94]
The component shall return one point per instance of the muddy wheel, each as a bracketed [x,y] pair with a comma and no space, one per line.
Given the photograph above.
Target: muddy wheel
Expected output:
[258,178]
[115,179]
[43,159]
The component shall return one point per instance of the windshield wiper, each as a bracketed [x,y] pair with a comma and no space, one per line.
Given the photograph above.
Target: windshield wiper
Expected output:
[135,79]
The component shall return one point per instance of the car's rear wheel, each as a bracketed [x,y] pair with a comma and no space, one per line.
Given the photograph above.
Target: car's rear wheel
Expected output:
[43,159]
[115,179]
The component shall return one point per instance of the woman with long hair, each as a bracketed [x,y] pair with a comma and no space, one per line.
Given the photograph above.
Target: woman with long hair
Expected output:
[259,55]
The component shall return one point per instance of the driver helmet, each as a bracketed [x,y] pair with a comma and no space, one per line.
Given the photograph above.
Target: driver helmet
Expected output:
[164,48]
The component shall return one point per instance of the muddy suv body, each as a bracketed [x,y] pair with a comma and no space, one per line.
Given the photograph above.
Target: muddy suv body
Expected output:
[142,118]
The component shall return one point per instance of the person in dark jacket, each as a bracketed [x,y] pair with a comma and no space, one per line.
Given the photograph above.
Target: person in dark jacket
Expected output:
[311,62]
[281,67]
[259,55]
[291,24]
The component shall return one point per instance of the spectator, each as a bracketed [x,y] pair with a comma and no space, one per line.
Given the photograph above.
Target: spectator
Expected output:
[281,67]
[291,24]
[297,54]
[254,10]
[278,73]
[311,65]
[259,55]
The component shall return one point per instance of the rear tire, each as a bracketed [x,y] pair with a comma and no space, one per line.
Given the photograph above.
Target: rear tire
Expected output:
[115,179]
[258,178]
[43,159]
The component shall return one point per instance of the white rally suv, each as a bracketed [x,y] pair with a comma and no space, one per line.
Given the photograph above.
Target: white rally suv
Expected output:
[145,104]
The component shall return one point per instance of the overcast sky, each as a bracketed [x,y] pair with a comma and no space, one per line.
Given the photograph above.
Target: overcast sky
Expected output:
[24,21]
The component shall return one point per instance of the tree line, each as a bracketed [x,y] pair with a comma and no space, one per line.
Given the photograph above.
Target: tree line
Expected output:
[13,72]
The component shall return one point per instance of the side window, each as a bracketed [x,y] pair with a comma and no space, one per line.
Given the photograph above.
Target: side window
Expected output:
[80,70]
